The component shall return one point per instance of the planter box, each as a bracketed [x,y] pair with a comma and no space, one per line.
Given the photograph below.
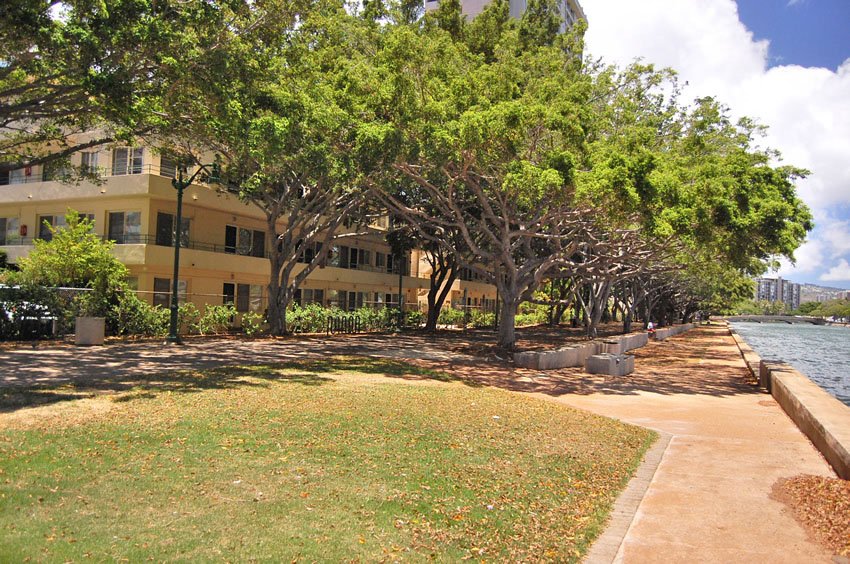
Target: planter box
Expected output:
[89,331]
[610,364]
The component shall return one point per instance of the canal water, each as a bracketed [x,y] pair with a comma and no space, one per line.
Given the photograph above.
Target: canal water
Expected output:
[821,352]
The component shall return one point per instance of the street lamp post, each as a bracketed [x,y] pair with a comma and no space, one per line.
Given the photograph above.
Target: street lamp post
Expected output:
[181,184]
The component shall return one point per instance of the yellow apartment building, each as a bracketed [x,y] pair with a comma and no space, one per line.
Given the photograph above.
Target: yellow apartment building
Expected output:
[223,259]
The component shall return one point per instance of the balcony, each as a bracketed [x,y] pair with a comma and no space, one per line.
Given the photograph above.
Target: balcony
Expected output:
[20,247]
[16,179]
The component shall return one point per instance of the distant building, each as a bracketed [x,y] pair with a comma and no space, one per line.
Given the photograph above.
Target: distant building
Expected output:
[571,10]
[778,290]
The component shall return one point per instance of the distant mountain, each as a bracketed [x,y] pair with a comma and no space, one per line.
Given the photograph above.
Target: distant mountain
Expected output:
[815,293]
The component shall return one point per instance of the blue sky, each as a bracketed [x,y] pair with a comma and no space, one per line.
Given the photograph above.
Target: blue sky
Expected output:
[785,63]
[810,33]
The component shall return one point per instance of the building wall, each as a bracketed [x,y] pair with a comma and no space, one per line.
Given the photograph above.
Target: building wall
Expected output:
[205,266]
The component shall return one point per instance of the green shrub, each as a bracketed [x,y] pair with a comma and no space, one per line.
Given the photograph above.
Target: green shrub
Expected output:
[216,319]
[450,316]
[532,314]
[481,319]
[414,318]
[134,316]
[252,323]
[310,318]
[187,317]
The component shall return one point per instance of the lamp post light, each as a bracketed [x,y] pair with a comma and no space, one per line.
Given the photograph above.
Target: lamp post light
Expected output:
[180,184]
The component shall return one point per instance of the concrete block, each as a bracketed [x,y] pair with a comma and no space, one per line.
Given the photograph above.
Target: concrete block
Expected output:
[585,351]
[667,332]
[89,330]
[613,346]
[528,359]
[552,360]
[634,341]
[610,364]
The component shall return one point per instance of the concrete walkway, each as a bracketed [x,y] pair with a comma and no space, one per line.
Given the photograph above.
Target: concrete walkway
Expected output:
[709,499]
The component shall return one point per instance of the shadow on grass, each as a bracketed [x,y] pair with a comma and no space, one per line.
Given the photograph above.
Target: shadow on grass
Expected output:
[370,365]
[148,386]
[19,398]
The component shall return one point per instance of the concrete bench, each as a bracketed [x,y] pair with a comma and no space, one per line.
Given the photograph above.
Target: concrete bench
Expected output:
[624,343]
[577,354]
[564,357]
[610,364]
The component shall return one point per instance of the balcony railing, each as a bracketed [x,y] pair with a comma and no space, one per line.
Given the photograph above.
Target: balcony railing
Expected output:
[138,239]
[167,172]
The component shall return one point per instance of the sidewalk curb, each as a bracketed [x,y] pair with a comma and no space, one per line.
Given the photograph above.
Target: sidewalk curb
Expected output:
[606,548]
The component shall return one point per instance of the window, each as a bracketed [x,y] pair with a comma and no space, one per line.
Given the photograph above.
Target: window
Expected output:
[241,241]
[57,222]
[309,296]
[337,298]
[20,175]
[162,292]
[394,265]
[228,293]
[88,161]
[246,297]
[309,252]
[55,169]
[125,227]
[9,234]
[167,166]
[381,261]
[334,255]
[356,258]
[127,160]
[165,230]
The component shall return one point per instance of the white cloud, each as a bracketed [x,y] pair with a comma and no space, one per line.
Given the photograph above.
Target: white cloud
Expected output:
[838,273]
[807,109]
[837,235]
[809,258]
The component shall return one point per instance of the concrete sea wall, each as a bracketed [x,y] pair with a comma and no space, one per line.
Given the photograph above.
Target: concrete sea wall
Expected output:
[820,416]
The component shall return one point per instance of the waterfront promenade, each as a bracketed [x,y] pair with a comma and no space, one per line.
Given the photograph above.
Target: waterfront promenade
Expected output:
[710,497]
[706,497]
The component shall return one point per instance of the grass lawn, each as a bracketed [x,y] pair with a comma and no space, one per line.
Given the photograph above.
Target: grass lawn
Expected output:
[311,461]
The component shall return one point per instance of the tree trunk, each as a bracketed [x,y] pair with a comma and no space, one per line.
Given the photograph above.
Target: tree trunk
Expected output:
[437,294]
[507,323]
[275,315]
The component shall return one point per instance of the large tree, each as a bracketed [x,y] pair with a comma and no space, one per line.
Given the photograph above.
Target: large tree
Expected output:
[76,74]
[494,146]
[281,110]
